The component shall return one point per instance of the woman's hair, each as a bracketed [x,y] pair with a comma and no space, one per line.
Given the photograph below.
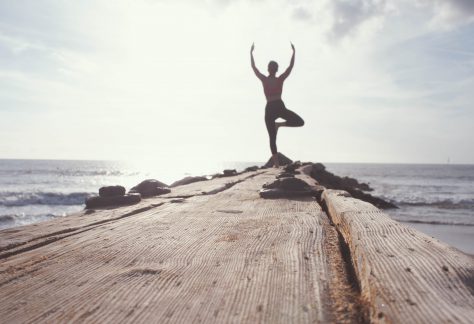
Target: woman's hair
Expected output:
[272,67]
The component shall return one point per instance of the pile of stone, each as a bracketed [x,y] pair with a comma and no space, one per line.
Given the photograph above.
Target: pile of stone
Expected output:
[112,196]
[352,186]
[287,185]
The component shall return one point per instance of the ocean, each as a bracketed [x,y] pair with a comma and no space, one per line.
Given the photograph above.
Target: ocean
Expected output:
[437,199]
[432,198]
[36,190]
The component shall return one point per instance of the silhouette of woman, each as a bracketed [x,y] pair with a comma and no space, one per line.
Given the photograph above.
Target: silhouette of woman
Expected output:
[275,108]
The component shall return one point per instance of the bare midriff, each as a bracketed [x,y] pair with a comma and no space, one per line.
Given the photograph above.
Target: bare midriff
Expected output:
[272,87]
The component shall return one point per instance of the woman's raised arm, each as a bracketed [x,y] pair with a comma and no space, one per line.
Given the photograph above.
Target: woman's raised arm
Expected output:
[285,74]
[252,61]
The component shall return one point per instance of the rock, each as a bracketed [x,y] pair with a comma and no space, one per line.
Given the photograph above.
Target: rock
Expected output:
[317,191]
[331,181]
[251,168]
[318,167]
[98,201]
[281,158]
[150,187]
[188,180]
[291,168]
[288,187]
[229,172]
[352,186]
[285,175]
[112,191]
[289,183]
[279,193]
[376,201]
[306,168]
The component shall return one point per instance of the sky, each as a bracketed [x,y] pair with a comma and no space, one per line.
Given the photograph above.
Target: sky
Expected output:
[387,81]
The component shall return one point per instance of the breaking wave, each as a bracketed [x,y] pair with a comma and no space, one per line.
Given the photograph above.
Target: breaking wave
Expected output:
[445,203]
[16,199]
[433,222]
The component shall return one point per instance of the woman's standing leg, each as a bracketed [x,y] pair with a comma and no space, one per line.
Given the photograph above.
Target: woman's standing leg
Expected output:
[272,133]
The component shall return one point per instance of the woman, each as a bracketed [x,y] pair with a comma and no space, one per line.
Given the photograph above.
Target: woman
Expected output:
[275,108]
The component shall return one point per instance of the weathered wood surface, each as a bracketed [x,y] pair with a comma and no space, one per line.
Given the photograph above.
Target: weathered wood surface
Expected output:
[25,237]
[223,257]
[406,276]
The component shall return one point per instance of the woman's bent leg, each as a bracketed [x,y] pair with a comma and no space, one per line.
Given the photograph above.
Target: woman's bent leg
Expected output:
[292,119]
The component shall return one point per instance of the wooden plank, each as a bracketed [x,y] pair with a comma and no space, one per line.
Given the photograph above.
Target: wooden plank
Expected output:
[23,237]
[227,257]
[405,275]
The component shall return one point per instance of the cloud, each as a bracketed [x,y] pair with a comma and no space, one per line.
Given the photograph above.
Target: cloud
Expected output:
[447,13]
[462,7]
[349,15]
[303,14]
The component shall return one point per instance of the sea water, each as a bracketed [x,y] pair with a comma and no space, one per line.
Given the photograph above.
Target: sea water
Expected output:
[424,193]
[37,190]
[435,199]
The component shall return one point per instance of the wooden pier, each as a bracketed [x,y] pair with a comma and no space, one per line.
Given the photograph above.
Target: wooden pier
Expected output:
[215,252]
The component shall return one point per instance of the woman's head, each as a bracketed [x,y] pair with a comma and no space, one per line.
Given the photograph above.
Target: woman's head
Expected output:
[272,67]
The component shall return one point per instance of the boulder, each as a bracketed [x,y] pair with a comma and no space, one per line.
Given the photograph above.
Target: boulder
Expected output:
[150,187]
[291,168]
[279,193]
[287,186]
[285,175]
[251,168]
[187,180]
[229,172]
[289,183]
[112,191]
[376,201]
[281,158]
[98,201]
[318,167]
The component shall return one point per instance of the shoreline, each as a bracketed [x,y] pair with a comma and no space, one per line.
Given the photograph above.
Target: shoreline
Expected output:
[458,236]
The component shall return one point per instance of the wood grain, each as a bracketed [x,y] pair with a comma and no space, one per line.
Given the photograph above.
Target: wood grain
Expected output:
[405,275]
[223,257]
[22,237]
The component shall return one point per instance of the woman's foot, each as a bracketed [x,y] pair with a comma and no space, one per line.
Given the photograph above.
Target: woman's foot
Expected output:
[278,125]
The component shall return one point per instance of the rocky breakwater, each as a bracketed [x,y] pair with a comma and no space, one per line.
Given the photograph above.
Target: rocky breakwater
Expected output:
[357,190]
